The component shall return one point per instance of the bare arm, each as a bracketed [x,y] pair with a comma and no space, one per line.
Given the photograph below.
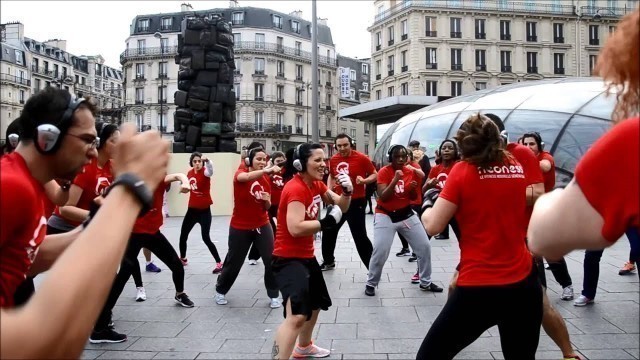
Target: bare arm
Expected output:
[58,319]
[342,201]
[418,171]
[70,210]
[256,174]
[534,192]
[545,165]
[371,178]
[385,191]
[437,218]
[55,193]
[331,182]
[563,220]
[50,250]
[296,224]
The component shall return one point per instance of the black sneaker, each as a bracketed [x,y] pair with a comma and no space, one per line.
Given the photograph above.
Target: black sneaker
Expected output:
[413,257]
[111,325]
[327,266]
[184,300]
[403,252]
[107,336]
[431,287]
[369,290]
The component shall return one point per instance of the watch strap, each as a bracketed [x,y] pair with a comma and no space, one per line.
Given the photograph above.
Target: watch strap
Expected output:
[137,187]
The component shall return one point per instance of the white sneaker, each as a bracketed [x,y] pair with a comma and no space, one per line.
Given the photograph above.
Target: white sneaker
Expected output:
[220,299]
[567,293]
[582,301]
[253,262]
[141,295]
[275,303]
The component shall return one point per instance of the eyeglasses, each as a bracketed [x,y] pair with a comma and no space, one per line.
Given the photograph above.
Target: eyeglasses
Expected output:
[93,142]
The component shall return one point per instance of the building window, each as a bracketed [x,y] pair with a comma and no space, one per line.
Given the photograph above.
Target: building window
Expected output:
[162,69]
[162,122]
[142,44]
[280,68]
[481,85]
[532,62]
[404,30]
[236,89]
[139,71]
[280,93]
[432,88]
[299,97]
[612,29]
[237,18]
[353,74]
[238,117]
[21,97]
[365,86]
[593,60]
[259,120]
[298,48]
[432,60]
[390,91]
[366,149]
[558,64]
[403,61]
[260,41]
[259,92]
[353,133]
[456,88]
[480,32]
[430,27]
[456,59]
[166,23]
[481,60]
[279,121]
[505,61]
[352,94]
[140,95]
[505,30]
[143,25]
[378,40]
[343,130]
[276,21]
[299,72]
[238,64]
[378,94]
[455,28]
[532,34]
[237,38]
[404,89]
[594,38]
[365,69]
[328,103]
[36,84]
[391,34]
[299,123]
[139,121]
[558,33]
[391,64]
[378,69]
[295,26]
[259,66]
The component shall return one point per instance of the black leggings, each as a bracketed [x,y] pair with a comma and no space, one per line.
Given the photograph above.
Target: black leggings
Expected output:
[471,310]
[239,243]
[202,217]
[160,246]
[355,217]
[254,253]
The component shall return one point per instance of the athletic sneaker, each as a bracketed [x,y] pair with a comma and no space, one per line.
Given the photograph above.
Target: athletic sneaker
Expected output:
[571,357]
[141,295]
[151,267]
[218,268]
[431,287]
[413,257]
[582,301]
[369,290]
[220,299]
[253,262]
[184,300]
[311,351]
[567,293]
[184,261]
[326,266]
[107,336]
[627,269]
[441,237]
[275,303]
[111,325]
[404,252]
[415,279]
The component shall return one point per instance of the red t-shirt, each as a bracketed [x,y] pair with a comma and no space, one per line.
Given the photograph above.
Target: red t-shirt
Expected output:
[490,203]
[400,198]
[285,245]
[248,209]
[151,222]
[22,223]
[418,199]
[441,173]
[532,172]
[549,176]
[277,184]
[200,195]
[93,180]
[608,177]
[354,165]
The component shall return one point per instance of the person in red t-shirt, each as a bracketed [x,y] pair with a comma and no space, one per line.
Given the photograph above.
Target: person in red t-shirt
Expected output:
[145,234]
[362,172]
[297,272]
[398,184]
[484,191]
[250,224]
[199,210]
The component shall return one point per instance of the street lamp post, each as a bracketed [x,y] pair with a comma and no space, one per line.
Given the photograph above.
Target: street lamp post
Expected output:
[158,35]
[308,90]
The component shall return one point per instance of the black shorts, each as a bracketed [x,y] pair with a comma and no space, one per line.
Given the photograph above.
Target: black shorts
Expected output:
[539,264]
[301,281]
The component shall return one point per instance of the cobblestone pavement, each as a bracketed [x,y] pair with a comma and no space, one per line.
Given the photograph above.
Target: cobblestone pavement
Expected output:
[390,325]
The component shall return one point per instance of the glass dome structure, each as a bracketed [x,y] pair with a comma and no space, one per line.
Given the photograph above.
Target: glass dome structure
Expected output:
[569,113]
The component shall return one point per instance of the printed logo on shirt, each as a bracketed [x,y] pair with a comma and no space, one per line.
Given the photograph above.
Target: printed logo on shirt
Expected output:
[442,179]
[278,181]
[312,210]
[101,185]
[501,172]
[193,184]
[399,188]
[342,168]
[32,248]
[256,190]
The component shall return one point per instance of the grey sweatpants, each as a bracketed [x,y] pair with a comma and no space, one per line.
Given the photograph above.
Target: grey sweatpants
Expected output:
[383,233]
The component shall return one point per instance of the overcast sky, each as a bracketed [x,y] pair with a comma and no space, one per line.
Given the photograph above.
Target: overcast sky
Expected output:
[101,27]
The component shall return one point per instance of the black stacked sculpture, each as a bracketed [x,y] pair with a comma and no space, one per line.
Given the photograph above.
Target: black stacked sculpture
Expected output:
[204,120]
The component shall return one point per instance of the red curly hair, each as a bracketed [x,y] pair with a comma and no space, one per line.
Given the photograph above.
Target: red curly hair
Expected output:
[619,65]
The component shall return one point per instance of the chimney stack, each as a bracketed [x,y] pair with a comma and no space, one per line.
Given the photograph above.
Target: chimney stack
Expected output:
[297,13]
[186,7]
[322,21]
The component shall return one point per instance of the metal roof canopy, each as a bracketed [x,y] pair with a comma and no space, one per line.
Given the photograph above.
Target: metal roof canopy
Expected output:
[388,110]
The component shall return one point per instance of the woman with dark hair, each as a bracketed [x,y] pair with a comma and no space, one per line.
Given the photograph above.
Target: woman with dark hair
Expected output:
[295,266]
[199,209]
[484,192]
[449,155]
[250,225]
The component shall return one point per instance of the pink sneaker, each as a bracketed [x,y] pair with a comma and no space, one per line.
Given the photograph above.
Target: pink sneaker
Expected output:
[415,279]
[218,268]
[311,351]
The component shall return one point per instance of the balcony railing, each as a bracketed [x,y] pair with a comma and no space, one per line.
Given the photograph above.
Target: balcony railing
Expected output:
[456,34]
[264,127]
[328,133]
[519,7]
[390,42]
[431,33]
[42,71]
[139,102]
[404,36]
[558,40]
[456,66]
[481,67]
[378,47]
[276,48]
[280,100]
[505,68]
[328,107]
[147,52]
[237,21]
[432,66]
[606,12]
[378,77]
[298,130]
[258,98]
[328,83]
[140,29]
[532,69]
[404,68]
[558,71]
[532,38]
[163,76]
[390,72]
[506,37]
[481,35]
[594,41]
[15,79]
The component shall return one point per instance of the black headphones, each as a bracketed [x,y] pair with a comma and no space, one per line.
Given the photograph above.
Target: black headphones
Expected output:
[538,139]
[250,154]
[48,136]
[352,142]
[297,161]
[392,148]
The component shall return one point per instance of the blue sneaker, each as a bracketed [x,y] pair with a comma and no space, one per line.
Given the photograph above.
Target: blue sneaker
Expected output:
[151,267]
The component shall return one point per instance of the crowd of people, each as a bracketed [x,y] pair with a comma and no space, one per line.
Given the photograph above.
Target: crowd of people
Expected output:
[81,198]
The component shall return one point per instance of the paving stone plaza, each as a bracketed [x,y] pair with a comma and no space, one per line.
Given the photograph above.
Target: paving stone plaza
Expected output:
[390,325]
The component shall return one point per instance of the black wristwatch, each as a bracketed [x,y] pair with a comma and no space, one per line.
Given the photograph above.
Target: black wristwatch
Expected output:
[66,186]
[138,187]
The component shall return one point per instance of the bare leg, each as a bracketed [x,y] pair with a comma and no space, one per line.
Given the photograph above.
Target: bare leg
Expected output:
[147,254]
[555,327]
[287,334]
[304,339]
